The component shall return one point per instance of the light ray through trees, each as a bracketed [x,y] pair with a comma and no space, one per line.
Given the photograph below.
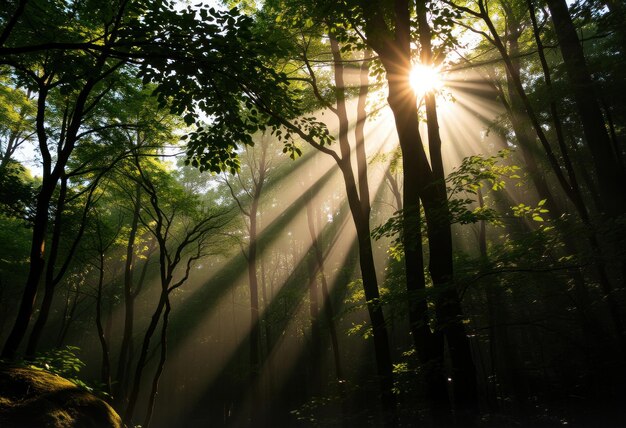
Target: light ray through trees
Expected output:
[464,118]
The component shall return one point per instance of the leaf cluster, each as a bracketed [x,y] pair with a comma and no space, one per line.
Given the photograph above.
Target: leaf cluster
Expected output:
[17,191]
[467,179]
[216,71]
[523,210]
[61,361]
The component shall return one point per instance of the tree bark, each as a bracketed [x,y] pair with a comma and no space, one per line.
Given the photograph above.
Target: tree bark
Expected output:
[254,292]
[37,262]
[525,136]
[50,284]
[610,176]
[448,305]
[105,371]
[123,361]
[395,56]
[161,365]
[359,208]
[40,225]
[50,178]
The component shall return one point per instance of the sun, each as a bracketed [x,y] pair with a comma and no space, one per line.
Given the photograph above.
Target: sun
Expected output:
[424,79]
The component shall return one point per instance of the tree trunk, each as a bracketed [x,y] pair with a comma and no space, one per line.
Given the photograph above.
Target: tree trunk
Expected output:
[253,284]
[610,176]
[359,208]
[123,361]
[416,173]
[141,361]
[50,284]
[525,136]
[162,358]
[68,318]
[327,305]
[40,225]
[50,178]
[36,266]
[256,410]
[105,372]
[448,304]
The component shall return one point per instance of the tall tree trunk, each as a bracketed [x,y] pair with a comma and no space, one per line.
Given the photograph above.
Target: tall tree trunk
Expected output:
[72,303]
[314,303]
[52,279]
[123,361]
[133,396]
[327,305]
[267,300]
[50,178]
[448,304]
[36,266]
[105,371]
[256,409]
[590,326]
[315,384]
[161,365]
[422,182]
[556,168]
[40,225]
[610,176]
[254,291]
[50,284]
[588,321]
[359,208]
[416,173]
[525,136]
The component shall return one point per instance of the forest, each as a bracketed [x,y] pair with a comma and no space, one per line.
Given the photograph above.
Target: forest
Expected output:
[318,213]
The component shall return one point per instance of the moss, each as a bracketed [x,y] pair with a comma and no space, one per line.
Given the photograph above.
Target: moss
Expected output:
[35,398]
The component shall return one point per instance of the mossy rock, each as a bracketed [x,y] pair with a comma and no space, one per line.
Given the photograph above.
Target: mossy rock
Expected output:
[32,398]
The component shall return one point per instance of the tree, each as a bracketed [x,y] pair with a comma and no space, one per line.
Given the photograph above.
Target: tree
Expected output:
[127,33]
[82,92]
[563,169]
[606,158]
[247,191]
[173,248]
[259,167]
[11,18]
[104,239]
[356,185]
[388,33]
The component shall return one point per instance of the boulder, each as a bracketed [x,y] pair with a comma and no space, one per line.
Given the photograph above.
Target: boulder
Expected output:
[31,398]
